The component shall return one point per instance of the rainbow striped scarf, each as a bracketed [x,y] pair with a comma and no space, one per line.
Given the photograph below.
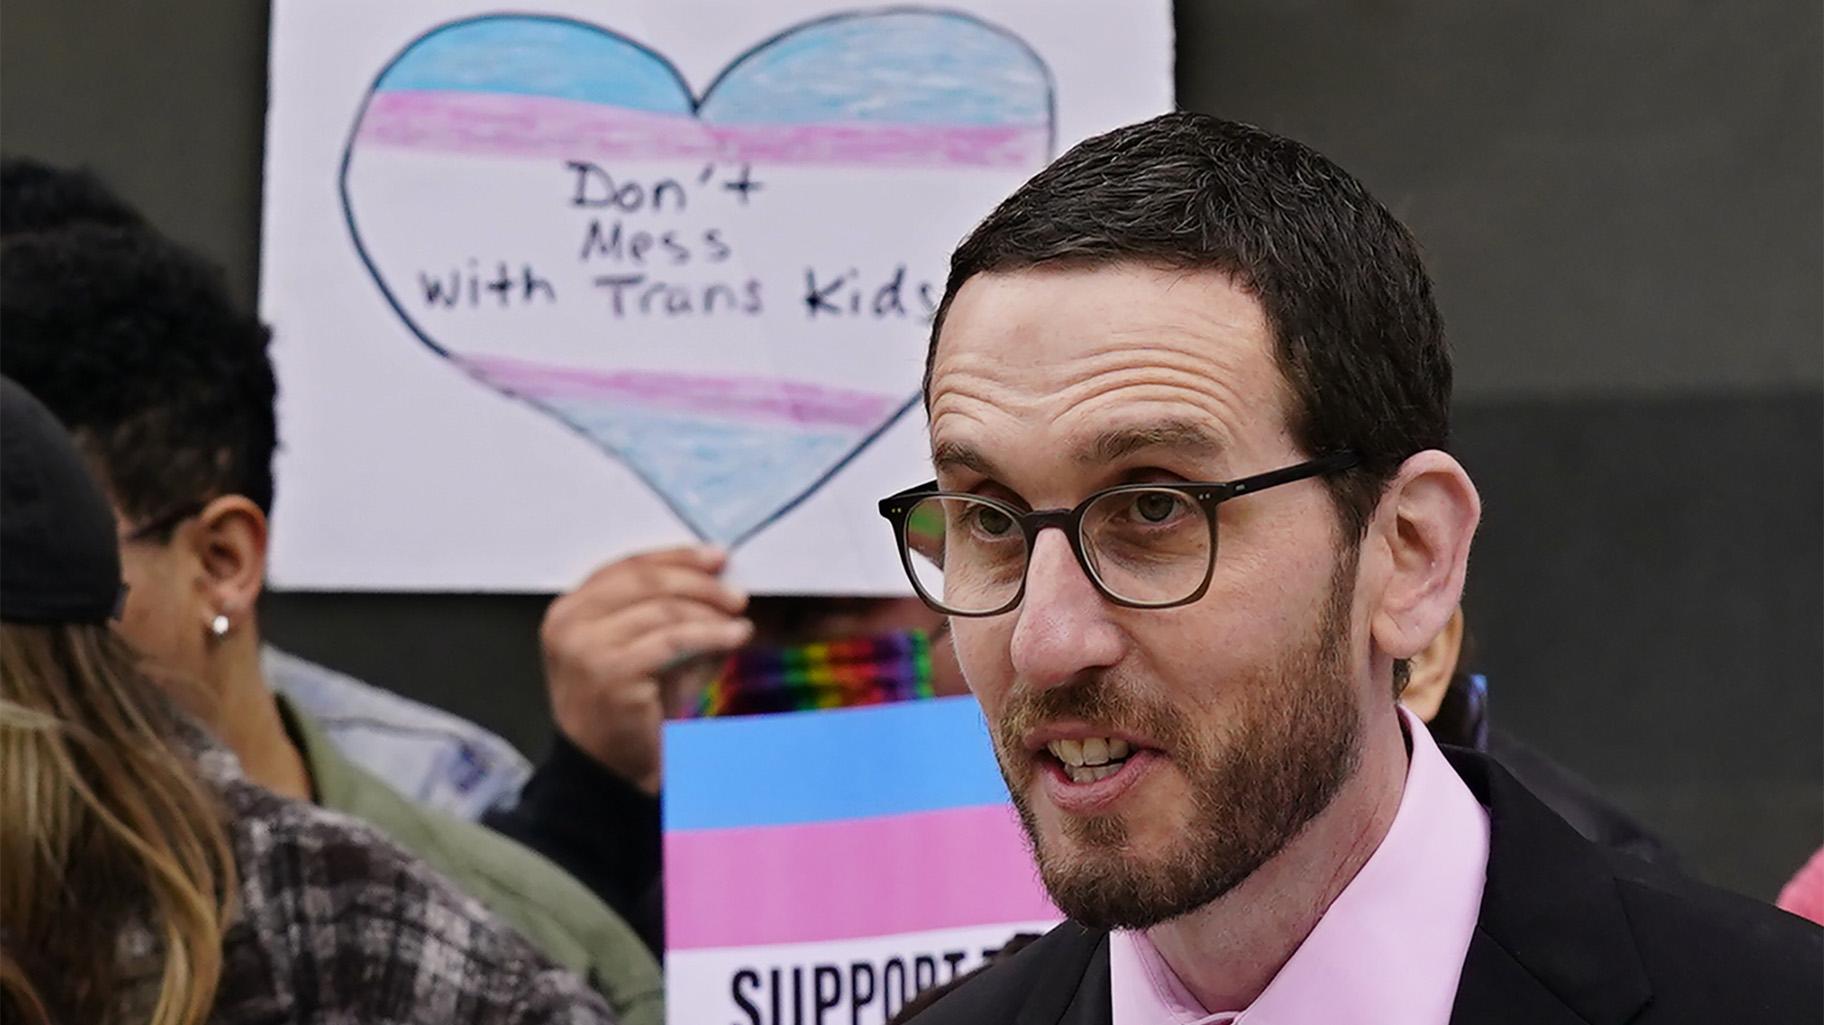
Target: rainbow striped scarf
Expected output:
[871,670]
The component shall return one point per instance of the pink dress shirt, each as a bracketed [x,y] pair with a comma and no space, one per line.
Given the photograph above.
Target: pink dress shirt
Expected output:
[1391,946]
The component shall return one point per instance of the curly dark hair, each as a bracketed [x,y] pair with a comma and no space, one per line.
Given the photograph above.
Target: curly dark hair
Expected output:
[1356,330]
[34,196]
[135,344]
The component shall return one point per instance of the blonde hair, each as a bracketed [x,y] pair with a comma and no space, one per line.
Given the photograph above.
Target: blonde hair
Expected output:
[107,827]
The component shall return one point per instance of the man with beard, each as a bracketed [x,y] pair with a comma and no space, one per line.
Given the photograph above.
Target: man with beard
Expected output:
[1188,330]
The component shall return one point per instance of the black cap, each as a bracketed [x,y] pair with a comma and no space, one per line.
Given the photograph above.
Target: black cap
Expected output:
[59,556]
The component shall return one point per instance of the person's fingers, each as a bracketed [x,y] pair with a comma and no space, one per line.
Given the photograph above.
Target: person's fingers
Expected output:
[669,645]
[706,558]
[634,583]
[637,581]
[602,638]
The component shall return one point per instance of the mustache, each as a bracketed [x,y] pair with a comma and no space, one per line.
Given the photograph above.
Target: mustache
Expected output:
[1099,698]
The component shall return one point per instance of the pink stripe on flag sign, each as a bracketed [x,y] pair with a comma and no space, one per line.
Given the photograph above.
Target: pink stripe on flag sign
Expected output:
[882,876]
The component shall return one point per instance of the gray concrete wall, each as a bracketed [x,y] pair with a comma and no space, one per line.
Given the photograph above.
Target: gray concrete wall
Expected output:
[1621,204]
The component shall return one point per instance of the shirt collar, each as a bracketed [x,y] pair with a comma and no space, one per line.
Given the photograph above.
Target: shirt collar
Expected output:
[335,782]
[1389,948]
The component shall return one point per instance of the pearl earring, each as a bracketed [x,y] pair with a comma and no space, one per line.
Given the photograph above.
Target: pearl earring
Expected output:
[219,625]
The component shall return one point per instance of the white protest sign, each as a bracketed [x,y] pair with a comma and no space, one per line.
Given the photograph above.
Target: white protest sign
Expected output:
[553,287]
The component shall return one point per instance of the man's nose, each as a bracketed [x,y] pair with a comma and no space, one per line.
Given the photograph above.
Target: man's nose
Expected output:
[1064,626]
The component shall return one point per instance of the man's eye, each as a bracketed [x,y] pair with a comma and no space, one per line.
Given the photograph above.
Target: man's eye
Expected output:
[1157,506]
[992,521]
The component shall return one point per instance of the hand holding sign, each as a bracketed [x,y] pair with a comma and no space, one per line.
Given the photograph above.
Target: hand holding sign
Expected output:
[609,644]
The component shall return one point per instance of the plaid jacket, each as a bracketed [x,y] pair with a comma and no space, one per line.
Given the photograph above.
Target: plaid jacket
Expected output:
[336,926]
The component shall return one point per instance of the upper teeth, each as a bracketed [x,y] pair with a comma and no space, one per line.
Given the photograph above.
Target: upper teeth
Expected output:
[1090,751]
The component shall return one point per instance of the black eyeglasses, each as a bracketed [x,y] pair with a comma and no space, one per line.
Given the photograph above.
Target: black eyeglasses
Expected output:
[1144,546]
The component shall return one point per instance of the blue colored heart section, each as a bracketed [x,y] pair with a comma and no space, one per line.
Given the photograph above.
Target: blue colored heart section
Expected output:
[724,478]
[530,55]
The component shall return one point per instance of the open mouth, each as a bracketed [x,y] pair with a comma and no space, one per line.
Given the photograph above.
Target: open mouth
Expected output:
[1090,759]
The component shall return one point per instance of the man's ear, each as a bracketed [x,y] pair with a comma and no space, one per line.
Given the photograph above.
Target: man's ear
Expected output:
[1425,522]
[1431,670]
[229,542]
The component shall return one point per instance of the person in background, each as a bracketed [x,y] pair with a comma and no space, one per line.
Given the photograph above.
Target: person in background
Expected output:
[132,341]
[1443,691]
[661,634]
[432,757]
[143,878]
[35,196]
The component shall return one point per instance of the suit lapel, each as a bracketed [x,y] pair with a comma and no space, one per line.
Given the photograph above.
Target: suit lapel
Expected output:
[1552,942]
[1094,1003]
[1498,990]
[1073,988]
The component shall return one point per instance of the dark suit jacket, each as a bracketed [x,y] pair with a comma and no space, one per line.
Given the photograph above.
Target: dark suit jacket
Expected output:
[1569,934]
[1576,801]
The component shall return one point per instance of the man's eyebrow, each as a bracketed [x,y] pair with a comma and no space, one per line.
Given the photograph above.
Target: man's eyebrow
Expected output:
[954,455]
[1185,436]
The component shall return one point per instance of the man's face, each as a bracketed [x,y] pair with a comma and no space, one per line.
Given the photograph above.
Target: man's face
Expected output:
[1239,713]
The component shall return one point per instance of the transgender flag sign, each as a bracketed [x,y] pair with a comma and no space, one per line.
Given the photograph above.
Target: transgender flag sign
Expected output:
[821,868]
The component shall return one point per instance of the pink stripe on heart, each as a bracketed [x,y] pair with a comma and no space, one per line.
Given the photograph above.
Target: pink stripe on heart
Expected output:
[501,124]
[724,398]
[861,877]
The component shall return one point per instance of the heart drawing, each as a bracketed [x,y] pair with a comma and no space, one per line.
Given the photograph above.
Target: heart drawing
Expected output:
[729,292]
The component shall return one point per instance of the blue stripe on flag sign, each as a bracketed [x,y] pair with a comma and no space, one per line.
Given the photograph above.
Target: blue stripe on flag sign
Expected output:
[798,767]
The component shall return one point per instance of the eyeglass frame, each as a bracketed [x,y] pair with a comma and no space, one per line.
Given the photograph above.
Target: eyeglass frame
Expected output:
[897,509]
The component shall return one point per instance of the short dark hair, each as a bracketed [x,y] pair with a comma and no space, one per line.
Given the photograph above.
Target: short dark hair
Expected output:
[1356,331]
[134,343]
[35,196]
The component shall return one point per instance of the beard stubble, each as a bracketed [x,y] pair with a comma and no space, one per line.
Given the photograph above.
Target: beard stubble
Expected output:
[1291,739]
